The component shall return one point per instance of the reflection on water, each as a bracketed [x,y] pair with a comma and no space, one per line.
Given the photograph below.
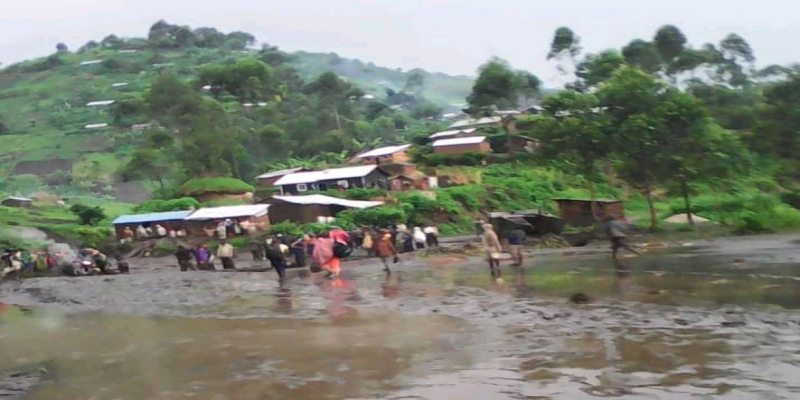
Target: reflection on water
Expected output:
[113,357]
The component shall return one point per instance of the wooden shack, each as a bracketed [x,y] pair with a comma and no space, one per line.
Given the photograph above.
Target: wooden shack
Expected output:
[19,202]
[578,212]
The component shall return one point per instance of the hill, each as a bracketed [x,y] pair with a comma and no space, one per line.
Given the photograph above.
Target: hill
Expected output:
[72,120]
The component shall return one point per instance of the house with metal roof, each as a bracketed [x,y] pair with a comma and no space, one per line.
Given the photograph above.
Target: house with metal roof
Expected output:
[477,144]
[268,179]
[19,202]
[312,208]
[385,155]
[453,134]
[365,176]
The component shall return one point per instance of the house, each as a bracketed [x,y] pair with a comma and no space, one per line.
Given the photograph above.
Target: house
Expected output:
[409,181]
[385,155]
[365,176]
[18,202]
[578,212]
[268,179]
[170,220]
[257,215]
[312,208]
[462,145]
[456,133]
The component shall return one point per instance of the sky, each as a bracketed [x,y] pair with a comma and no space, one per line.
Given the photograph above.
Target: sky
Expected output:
[453,36]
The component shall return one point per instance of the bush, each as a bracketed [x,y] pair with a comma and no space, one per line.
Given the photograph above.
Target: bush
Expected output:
[377,216]
[88,215]
[225,185]
[357,193]
[184,203]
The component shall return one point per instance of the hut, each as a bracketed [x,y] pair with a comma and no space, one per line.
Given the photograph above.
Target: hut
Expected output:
[254,215]
[18,202]
[312,208]
[409,181]
[172,220]
[206,189]
[578,212]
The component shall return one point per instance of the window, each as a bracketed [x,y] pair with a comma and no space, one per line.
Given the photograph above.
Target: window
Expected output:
[301,187]
[344,184]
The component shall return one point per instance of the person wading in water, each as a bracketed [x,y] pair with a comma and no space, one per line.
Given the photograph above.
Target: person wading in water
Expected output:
[184,256]
[225,253]
[616,233]
[384,249]
[491,246]
[275,255]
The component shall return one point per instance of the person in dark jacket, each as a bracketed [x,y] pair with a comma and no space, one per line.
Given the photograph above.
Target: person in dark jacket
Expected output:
[184,256]
[515,241]
[276,257]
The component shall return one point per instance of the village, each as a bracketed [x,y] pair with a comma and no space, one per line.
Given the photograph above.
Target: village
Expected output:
[296,194]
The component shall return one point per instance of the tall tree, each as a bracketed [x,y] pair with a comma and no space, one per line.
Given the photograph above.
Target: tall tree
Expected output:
[643,55]
[497,85]
[415,82]
[566,45]
[597,68]
[575,132]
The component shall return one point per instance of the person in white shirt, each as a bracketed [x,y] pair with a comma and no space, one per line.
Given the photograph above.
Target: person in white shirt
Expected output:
[226,252]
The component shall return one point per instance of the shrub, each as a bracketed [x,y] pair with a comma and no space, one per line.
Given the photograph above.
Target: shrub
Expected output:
[88,215]
[377,216]
[468,159]
[198,186]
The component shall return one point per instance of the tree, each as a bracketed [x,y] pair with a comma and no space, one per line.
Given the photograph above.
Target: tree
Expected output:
[248,79]
[630,99]
[777,127]
[670,42]
[415,81]
[528,85]
[88,215]
[497,85]
[575,133]
[642,54]
[597,68]
[333,93]
[566,45]
[170,100]
[62,48]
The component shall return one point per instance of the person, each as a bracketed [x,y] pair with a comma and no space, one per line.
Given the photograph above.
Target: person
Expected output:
[222,231]
[276,257]
[515,241]
[184,256]
[141,232]
[257,250]
[11,264]
[384,249]
[431,235]
[100,260]
[420,239]
[357,238]
[367,243]
[299,251]
[202,257]
[122,266]
[161,232]
[616,234]
[127,235]
[226,253]
[491,245]
[407,240]
[326,254]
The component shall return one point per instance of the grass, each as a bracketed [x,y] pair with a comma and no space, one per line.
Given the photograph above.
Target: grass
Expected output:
[225,185]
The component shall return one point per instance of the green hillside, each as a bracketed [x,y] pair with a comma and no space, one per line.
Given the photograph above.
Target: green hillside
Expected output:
[52,137]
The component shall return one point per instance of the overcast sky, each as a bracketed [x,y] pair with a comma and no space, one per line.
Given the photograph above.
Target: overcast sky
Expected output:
[453,36]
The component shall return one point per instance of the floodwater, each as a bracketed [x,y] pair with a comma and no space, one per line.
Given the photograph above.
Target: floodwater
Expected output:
[711,322]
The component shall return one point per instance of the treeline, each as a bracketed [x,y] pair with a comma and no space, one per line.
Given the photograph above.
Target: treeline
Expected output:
[662,115]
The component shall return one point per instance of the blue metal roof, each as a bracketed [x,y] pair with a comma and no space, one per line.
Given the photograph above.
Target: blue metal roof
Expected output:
[151,217]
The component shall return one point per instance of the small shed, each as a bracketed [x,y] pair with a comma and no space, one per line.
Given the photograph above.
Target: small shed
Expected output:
[477,144]
[310,208]
[18,202]
[172,220]
[578,212]
[256,215]
[268,179]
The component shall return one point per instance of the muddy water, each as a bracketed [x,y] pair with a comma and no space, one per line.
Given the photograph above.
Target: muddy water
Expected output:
[697,323]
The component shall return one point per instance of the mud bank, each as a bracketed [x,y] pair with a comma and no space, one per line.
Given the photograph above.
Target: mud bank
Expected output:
[435,328]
